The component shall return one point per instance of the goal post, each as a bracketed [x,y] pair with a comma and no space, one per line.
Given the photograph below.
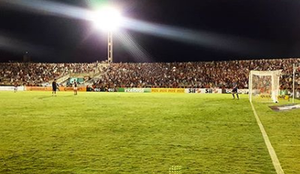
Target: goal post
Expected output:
[294,71]
[296,82]
[264,85]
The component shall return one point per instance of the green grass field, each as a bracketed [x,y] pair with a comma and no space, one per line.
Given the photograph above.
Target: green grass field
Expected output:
[142,133]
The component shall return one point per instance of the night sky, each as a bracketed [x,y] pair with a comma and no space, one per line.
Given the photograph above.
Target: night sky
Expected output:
[224,30]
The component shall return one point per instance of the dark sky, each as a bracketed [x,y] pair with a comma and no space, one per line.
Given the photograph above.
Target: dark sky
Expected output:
[205,30]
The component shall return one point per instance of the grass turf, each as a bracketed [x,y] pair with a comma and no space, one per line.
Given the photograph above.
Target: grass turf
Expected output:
[140,133]
[283,130]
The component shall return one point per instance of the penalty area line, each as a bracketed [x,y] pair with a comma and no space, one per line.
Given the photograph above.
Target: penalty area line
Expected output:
[271,150]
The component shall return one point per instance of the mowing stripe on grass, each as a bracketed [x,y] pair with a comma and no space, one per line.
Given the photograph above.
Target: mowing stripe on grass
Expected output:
[271,150]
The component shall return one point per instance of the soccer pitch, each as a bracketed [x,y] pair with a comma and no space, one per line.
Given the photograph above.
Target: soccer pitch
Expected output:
[142,133]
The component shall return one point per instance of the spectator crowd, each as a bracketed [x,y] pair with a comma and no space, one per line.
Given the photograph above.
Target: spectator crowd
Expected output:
[34,74]
[214,74]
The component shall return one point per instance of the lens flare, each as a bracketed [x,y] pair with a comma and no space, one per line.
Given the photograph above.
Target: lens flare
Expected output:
[107,19]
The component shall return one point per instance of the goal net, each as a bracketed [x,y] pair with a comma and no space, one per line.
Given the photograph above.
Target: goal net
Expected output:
[264,85]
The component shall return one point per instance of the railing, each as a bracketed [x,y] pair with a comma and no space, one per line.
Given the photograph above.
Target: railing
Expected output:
[63,78]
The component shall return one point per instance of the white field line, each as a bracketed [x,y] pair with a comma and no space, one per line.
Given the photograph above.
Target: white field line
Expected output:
[226,122]
[271,150]
[290,145]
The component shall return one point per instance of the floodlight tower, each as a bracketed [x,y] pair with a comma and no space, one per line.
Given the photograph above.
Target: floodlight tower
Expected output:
[108,19]
[110,47]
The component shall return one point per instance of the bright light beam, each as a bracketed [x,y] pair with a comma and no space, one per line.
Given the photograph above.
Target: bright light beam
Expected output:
[201,38]
[48,8]
[136,50]
[107,19]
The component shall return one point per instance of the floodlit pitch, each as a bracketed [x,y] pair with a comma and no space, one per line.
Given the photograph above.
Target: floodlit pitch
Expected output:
[142,133]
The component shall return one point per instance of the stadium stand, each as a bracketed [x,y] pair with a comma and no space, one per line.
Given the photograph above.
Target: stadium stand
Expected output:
[35,74]
[215,74]
[220,74]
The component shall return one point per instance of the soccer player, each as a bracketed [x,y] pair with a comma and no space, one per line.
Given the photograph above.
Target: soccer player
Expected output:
[235,91]
[75,87]
[54,87]
[15,87]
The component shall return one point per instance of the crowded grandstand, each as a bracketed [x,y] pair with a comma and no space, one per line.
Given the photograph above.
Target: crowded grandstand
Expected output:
[100,75]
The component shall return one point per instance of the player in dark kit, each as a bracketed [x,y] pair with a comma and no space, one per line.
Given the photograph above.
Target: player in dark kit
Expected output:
[15,87]
[75,87]
[54,87]
[235,91]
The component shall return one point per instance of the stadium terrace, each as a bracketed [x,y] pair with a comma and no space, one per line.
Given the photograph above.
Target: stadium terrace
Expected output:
[215,74]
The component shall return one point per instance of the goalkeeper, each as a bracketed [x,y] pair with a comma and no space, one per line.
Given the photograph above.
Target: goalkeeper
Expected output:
[235,92]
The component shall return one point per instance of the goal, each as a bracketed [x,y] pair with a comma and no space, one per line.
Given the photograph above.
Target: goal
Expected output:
[264,85]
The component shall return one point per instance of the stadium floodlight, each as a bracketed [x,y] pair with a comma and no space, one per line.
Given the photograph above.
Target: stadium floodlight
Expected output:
[109,20]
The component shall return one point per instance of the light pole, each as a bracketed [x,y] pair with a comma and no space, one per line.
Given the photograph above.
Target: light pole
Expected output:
[107,19]
[109,47]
